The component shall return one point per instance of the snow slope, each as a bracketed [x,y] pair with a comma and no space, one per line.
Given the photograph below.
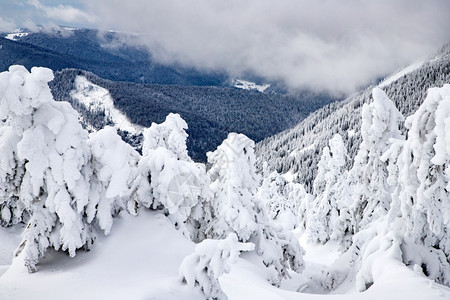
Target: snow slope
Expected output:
[96,98]
[9,240]
[15,36]
[139,260]
[141,257]
[395,281]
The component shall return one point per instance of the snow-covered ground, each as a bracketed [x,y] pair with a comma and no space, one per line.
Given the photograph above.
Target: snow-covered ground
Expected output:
[395,281]
[94,97]
[139,260]
[14,36]
[141,257]
[9,240]
[247,85]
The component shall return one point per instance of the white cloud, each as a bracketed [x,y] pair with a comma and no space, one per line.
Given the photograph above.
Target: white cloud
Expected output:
[65,13]
[330,45]
[6,25]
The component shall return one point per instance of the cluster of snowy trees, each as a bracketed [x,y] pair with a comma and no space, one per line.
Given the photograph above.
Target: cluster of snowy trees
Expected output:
[395,198]
[284,200]
[67,186]
[298,150]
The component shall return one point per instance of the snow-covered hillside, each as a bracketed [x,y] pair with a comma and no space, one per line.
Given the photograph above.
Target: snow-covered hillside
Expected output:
[211,112]
[140,260]
[98,99]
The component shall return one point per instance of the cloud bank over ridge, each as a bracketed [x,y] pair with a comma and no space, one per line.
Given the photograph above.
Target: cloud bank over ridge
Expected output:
[335,46]
[324,45]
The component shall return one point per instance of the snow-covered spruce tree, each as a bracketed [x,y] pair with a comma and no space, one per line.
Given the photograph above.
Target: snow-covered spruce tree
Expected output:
[282,199]
[368,176]
[271,193]
[422,197]
[305,204]
[169,180]
[114,170]
[55,183]
[11,173]
[236,209]
[295,195]
[211,259]
[416,228]
[171,134]
[18,97]
[324,213]
[286,202]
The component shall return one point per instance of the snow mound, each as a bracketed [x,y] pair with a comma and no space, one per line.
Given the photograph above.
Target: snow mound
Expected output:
[138,260]
[10,238]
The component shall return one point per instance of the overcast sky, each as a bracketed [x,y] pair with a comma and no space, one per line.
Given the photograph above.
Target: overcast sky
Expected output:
[325,45]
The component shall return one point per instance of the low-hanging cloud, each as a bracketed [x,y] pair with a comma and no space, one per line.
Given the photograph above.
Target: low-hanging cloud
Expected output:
[6,25]
[65,13]
[325,45]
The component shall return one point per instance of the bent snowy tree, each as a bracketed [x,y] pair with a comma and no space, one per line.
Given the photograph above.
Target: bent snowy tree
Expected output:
[236,209]
[416,227]
[55,184]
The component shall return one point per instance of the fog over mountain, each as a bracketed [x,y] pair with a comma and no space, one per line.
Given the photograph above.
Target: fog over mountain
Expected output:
[321,45]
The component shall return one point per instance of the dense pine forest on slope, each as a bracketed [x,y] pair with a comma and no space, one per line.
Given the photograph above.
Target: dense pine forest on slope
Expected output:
[298,150]
[104,54]
[211,112]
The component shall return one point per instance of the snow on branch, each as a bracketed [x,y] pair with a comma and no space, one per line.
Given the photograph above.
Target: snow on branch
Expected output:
[211,259]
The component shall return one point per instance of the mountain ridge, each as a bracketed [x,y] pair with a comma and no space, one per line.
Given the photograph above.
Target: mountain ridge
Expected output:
[104,54]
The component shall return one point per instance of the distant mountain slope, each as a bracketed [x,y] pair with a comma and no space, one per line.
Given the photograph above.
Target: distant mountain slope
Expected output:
[105,55]
[13,52]
[211,112]
[298,150]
